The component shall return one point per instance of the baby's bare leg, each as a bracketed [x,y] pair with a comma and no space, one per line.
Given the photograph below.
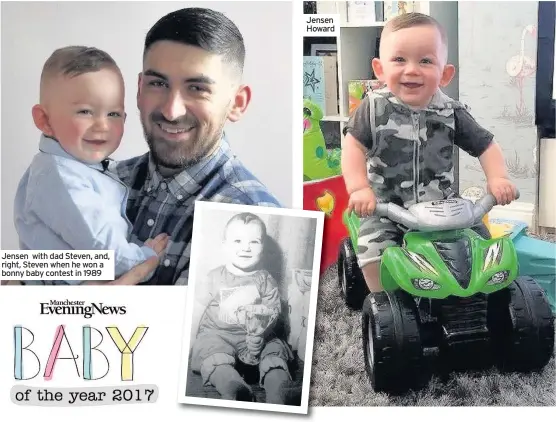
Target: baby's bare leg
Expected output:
[275,377]
[230,384]
[213,356]
[280,389]
[372,277]
[375,235]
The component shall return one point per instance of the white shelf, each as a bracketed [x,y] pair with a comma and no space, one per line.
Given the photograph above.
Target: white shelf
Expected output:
[356,47]
[336,118]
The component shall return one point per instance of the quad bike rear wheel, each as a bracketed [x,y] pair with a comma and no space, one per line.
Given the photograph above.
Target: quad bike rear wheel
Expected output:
[521,325]
[350,278]
[392,347]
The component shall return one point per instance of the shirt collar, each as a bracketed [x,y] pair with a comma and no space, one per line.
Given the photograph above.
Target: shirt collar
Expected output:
[51,146]
[190,179]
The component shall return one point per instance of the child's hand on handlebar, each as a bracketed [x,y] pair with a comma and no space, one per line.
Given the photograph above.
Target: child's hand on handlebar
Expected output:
[503,190]
[362,201]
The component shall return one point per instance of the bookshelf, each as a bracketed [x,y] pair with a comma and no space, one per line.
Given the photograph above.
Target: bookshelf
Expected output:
[356,48]
[357,44]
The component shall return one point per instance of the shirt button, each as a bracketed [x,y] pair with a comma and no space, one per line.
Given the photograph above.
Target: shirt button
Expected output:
[166,262]
[163,185]
[180,197]
[150,222]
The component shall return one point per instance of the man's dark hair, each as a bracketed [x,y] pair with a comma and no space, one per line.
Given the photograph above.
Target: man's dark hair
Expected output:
[205,28]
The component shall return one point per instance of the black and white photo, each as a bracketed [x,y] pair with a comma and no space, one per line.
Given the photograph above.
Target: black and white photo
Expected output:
[251,307]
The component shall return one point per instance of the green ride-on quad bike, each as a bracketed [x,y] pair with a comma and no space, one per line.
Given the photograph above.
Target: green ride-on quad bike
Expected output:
[451,296]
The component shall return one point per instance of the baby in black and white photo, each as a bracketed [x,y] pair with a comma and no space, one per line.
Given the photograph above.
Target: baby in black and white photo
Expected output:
[237,307]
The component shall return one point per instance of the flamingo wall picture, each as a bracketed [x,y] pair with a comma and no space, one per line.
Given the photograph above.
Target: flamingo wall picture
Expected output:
[520,67]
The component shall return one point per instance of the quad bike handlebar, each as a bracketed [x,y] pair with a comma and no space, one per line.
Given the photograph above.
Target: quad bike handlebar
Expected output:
[397,214]
[446,214]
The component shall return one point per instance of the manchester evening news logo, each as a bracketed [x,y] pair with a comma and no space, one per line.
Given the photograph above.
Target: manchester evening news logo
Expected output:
[81,344]
[76,307]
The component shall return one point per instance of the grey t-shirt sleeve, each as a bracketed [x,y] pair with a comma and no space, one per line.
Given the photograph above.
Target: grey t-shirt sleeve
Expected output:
[470,136]
[359,125]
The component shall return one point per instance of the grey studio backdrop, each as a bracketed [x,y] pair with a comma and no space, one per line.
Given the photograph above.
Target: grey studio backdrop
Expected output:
[30,31]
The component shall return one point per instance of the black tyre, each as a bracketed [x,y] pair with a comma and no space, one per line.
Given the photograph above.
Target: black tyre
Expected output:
[522,326]
[350,278]
[392,346]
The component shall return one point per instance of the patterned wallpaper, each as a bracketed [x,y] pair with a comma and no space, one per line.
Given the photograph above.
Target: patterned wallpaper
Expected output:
[497,61]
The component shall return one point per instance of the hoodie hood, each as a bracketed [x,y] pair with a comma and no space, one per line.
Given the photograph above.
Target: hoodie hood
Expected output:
[439,101]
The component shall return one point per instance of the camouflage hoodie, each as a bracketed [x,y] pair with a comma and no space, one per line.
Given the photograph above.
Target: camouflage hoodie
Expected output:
[411,159]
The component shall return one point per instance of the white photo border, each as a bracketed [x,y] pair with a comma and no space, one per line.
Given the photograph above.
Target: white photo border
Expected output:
[200,207]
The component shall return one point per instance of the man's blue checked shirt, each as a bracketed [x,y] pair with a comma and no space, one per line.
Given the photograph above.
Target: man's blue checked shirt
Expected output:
[157,205]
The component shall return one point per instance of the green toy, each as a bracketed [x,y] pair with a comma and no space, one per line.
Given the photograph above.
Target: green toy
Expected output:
[318,163]
[451,295]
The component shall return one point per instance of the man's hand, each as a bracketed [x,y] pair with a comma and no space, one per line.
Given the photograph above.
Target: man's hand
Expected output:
[254,344]
[362,201]
[503,190]
[139,272]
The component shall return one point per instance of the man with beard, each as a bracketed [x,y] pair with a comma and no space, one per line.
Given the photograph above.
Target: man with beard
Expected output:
[189,87]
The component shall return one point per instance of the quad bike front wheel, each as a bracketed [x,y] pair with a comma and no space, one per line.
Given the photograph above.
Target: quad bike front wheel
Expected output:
[350,278]
[521,325]
[392,347]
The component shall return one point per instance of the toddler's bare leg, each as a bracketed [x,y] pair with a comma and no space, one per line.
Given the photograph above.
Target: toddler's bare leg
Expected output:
[375,235]
[371,275]
[230,384]
[280,389]
[275,376]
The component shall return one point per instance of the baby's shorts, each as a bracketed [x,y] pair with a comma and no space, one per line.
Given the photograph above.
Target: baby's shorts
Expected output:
[375,235]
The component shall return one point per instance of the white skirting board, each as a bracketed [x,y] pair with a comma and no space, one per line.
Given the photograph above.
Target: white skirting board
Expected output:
[520,211]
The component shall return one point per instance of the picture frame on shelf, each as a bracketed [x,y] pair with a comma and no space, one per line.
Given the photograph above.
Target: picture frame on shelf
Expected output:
[324,50]
[308,42]
[309,7]
[365,12]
